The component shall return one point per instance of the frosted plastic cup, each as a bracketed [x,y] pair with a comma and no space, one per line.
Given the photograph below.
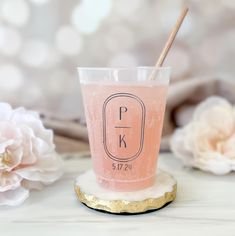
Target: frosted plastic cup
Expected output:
[124,113]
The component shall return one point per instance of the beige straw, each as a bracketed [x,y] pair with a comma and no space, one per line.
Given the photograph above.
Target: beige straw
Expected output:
[170,40]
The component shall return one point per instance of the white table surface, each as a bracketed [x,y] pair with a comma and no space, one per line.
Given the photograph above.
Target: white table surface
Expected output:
[205,205]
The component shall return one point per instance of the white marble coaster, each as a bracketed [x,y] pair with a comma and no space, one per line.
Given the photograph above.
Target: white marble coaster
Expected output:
[93,195]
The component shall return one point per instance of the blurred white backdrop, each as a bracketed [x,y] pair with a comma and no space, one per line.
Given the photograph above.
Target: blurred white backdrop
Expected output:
[43,41]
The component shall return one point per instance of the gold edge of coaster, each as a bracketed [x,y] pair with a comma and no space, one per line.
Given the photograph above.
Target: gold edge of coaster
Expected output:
[123,206]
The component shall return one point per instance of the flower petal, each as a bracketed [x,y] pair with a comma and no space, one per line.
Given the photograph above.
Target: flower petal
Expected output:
[46,170]
[29,156]
[31,119]
[14,197]
[179,147]
[9,181]
[4,143]
[214,162]
[216,113]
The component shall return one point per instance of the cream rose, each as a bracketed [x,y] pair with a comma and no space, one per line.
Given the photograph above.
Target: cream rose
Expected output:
[208,141]
[27,155]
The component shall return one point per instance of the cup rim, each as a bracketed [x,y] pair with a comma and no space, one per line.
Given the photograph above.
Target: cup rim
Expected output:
[126,68]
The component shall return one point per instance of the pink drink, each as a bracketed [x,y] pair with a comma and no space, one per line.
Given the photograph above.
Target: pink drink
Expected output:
[124,122]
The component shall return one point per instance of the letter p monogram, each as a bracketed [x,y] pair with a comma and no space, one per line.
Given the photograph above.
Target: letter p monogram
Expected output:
[122,110]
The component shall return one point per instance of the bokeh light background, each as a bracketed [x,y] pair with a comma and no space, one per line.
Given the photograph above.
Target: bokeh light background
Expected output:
[43,41]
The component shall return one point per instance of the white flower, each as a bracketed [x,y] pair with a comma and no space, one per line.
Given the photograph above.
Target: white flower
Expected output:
[208,141]
[27,155]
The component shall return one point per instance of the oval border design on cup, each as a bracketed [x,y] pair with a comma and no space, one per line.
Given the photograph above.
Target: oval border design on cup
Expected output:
[142,126]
